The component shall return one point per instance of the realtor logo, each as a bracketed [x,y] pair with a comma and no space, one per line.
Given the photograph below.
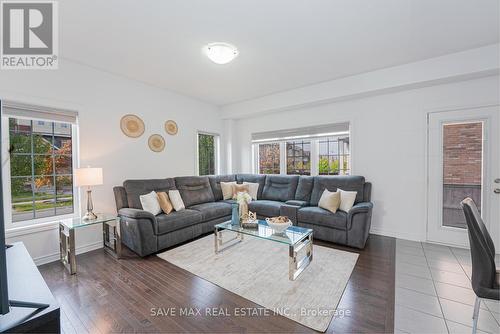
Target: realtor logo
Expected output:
[29,35]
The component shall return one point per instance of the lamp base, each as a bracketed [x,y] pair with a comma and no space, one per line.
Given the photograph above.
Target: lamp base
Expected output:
[90,216]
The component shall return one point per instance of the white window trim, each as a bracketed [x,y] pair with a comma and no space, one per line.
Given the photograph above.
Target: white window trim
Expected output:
[216,151]
[36,223]
[314,140]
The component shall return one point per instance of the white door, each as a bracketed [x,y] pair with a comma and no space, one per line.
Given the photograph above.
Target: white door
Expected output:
[463,161]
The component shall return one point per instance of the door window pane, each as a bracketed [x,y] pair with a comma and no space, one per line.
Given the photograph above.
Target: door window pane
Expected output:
[462,169]
[269,158]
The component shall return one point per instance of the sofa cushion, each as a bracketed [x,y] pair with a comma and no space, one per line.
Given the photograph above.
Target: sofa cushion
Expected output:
[136,188]
[194,190]
[332,183]
[318,216]
[177,220]
[280,188]
[215,181]
[304,188]
[265,208]
[212,210]
[253,178]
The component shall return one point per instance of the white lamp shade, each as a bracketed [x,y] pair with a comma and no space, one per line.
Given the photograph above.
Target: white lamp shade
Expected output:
[88,176]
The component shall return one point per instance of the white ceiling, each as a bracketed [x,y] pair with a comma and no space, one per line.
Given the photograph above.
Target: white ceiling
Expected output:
[283,44]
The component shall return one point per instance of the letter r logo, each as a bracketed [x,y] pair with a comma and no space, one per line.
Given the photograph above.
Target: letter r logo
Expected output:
[27,28]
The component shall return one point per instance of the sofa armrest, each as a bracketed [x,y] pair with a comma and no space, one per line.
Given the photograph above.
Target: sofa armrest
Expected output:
[359,220]
[360,207]
[139,230]
[297,202]
[136,214]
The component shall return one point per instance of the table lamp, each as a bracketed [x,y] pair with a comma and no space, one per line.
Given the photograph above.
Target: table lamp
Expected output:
[87,177]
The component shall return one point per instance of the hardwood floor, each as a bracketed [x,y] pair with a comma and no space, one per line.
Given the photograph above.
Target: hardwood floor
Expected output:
[109,295]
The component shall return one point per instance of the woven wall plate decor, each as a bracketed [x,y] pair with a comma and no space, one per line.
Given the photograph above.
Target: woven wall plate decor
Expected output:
[132,126]
[156,143]
[171,127]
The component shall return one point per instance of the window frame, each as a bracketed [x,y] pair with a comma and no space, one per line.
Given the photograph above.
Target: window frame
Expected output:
[216,151]
[7,191]
[314,144]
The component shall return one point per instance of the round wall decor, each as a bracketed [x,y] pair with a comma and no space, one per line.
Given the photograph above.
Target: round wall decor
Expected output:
[156,143]
[132,126]
[171,127]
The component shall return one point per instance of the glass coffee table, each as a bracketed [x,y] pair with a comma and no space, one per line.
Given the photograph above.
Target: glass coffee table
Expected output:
[297,238]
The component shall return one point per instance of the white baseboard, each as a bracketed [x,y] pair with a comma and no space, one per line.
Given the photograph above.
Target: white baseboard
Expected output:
[79,250]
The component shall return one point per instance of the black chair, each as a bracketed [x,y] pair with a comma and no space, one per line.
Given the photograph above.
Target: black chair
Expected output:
[485,277]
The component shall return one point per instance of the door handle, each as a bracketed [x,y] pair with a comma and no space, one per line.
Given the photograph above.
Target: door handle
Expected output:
[497,181]
[496,191]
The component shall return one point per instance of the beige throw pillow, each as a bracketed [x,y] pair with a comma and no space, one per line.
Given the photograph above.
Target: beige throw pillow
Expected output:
[239,188]
[164,201]
[227,189]
[329,201]
[150,203]
[253,189]
[347,199]
[176,200]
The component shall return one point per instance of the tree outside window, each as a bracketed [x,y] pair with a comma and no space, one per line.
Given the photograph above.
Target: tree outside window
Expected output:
[41,169]
[269,158]
[206,154]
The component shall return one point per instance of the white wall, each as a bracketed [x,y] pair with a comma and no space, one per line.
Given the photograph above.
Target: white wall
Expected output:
[101,99]
[388,143]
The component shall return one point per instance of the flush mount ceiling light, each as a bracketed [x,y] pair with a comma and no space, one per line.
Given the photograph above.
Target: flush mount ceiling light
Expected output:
[221,53]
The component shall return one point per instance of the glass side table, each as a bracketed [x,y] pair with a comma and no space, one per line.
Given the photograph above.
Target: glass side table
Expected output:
[111,237]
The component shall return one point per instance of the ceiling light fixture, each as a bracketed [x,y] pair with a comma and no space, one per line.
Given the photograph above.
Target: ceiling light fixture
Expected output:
[221,53]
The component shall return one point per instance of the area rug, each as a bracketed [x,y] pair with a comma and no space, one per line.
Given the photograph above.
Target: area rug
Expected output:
[257,270]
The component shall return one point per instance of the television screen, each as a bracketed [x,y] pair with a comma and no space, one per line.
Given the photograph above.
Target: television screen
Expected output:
[4,298]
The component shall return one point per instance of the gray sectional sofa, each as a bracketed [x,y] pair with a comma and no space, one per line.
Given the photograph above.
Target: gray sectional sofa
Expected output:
[294,196]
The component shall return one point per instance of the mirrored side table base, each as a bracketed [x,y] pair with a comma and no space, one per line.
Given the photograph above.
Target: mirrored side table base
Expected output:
[111,238]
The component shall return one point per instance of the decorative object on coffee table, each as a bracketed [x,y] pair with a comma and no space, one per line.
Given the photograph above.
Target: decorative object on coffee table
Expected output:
[249,220]
[235,215]
[279,224]
[132,126]
[243,198]
[87,177]
[171,127]
[156,143]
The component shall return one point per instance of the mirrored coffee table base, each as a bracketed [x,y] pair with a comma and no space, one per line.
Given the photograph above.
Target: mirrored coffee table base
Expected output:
[298,239]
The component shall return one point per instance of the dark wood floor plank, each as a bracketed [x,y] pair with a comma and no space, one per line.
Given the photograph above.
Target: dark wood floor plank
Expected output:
[109,295]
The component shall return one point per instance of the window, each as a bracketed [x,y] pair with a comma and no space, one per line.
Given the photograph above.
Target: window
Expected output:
[41,169]
[208,152]
[334,156]
[298,157]
[318,150]
[269,158]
